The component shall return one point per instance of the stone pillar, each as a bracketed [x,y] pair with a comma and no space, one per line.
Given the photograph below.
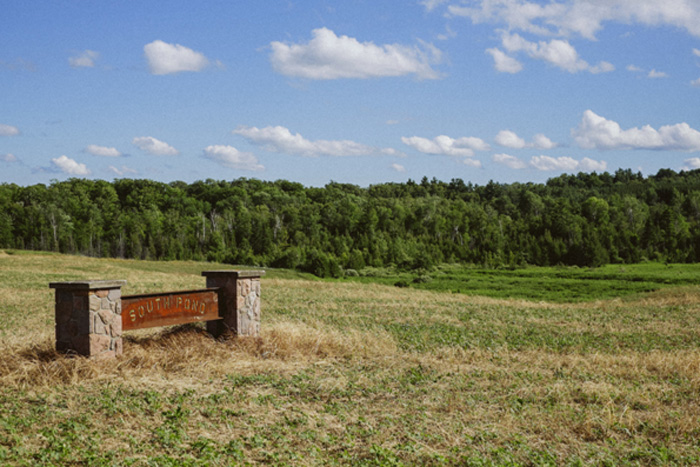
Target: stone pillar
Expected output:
[239,302]
[88,317]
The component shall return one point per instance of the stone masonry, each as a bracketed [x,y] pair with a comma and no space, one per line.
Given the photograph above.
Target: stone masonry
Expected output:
[88,317]
[89,320]
[239,302]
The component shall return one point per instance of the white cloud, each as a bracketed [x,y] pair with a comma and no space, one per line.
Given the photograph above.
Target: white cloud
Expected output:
[510,139]
[601,67]
[442,144]
[584,18]
[85,59]
[692,163]
[696,82]
[280,139]
[696,52]
[8,130]
[390,152]
[70,166]
[657,74]
[328,56]
[154,147]
[596,132]
[540,141]
[472,163]
[8,158]
[230,157]
[398,167]
[557,52]
[504,63]
[550,163]
[634,69]
[164,58]
[102,151]
[431,4]
[509,161]
[567,164]
[123,170]
[590,165]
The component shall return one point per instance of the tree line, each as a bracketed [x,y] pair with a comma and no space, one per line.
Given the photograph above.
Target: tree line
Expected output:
[584,219]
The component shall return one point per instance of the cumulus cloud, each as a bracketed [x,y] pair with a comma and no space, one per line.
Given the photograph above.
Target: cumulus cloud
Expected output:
[328,56]
[504,63]
[590,165]
[8,158]
[540,141]
[8,130]
[657,74]
[472,163]
[584,18]
[696,52]
[154,146]
[280,139]
[509,161]
[566,164]
[69,166]
[557,52]
[696,82]
[398,167]
[230,157]
[634,69]
[102,151]
[85,59]
[123,170]
[442,144]
[692,163]
[596,132]
[164,58]
[510,139]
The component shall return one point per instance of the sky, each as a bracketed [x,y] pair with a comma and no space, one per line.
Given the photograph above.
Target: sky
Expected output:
[353,91]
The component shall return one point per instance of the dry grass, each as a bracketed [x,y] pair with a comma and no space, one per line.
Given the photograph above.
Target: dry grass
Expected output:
[188,353]
[352,374]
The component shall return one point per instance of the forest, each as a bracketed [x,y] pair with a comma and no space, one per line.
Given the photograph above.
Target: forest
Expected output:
[586,219]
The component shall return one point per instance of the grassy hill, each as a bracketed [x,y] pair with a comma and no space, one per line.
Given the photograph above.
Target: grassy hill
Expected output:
[358,373]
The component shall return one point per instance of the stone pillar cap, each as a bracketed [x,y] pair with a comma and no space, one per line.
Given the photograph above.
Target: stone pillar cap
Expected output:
[241,274]
[88,284]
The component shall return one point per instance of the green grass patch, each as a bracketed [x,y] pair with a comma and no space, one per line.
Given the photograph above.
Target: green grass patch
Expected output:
[552,284]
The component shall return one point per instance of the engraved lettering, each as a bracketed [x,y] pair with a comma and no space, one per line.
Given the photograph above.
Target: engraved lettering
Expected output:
[187,304]
[132,313]
[157,303]
[149,306]
[141,311]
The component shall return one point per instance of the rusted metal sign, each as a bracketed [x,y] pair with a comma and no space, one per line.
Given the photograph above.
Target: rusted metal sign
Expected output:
[168,308]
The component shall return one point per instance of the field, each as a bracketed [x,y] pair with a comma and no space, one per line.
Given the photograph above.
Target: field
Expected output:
[526,367]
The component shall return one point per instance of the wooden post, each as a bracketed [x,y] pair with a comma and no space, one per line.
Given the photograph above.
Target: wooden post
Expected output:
[239,302]
[88,317]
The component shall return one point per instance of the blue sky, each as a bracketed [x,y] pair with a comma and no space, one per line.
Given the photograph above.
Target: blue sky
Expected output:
[362,92]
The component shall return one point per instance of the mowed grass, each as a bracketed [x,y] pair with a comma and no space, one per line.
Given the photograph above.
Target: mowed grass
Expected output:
[349,373]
